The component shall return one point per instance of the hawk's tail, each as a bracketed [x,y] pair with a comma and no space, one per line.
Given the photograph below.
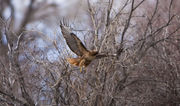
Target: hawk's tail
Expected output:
[74,61]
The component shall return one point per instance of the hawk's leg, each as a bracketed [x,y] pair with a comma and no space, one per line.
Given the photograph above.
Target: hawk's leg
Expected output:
[81,68]
[81,64]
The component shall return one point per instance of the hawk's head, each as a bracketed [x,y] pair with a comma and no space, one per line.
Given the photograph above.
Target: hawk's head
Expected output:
[94,53]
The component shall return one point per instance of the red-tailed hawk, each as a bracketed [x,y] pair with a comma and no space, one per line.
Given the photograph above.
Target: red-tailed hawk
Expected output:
[75,44]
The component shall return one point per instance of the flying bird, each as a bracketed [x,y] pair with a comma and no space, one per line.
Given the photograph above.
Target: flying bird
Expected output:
[85,56]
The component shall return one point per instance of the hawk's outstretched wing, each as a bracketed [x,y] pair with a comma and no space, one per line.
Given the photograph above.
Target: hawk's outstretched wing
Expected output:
[73,41]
